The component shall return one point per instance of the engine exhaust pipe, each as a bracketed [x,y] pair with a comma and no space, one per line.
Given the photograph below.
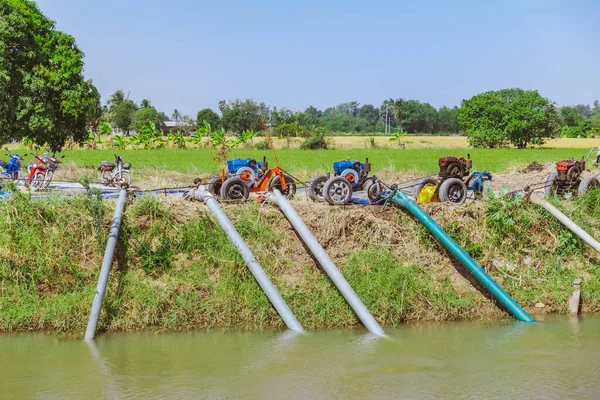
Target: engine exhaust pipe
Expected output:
[566,221]
[259,273]
[336,276]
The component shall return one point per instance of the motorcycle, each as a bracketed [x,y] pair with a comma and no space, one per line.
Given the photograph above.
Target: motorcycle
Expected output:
[11,169]
[115,174]
[36,172]
[52,163]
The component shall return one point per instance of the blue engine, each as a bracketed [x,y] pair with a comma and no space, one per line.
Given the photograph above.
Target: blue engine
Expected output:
[340,166]
[234,165]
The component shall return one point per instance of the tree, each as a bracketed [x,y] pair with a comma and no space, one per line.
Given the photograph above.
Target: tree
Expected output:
[115,99]
[123,115]
[145,103]
[570,116]
[43,93]
[176,116]
[370,114]
[95,111]
[209,116]
[584,110]
[516,116]
[447,119]
[240,115]
[397,111]
[144,116]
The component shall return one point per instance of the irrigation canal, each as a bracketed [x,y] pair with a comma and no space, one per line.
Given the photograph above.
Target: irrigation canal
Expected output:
[555,358]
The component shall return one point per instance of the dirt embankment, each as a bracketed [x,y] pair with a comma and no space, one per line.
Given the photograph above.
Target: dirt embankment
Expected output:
[176,269]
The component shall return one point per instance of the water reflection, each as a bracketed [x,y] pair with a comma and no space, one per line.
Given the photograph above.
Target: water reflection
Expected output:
[553,359]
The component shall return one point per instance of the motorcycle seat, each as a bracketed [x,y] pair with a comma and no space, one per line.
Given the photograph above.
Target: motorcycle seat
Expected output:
[106,164]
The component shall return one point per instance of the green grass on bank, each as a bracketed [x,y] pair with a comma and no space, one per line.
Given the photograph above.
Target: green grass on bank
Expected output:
[310,161]
[177,270]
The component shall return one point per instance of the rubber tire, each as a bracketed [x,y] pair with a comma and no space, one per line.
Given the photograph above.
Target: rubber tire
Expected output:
[290,183]
[315,188]
[347,189]
[368,183]
[125,178]
[242,190]
[421,183]
[450,184]
[37,182]
[214,186]
[550,186]
[48,179]
[589,182]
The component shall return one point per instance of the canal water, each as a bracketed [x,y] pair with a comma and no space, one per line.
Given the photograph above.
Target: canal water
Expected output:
[553,359]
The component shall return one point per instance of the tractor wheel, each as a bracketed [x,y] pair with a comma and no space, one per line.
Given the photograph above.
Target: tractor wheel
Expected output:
[290,185]
[214,186]
[550,185]
[235,189]
[368,182]
[453,190]
[421,183]
[315,188]
[588,183]
[337,191]
[455,170]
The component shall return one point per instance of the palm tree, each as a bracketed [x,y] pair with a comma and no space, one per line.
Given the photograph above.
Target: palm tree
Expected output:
[398,111]
[115,99]
[176,116]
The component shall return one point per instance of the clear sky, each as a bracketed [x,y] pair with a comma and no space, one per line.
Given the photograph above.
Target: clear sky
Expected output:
[189,54]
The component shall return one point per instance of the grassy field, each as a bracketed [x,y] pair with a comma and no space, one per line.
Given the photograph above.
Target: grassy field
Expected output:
[311,161]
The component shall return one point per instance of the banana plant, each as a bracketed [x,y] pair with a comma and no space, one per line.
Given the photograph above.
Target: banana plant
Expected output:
[398,137]
[178,139]
[246,138]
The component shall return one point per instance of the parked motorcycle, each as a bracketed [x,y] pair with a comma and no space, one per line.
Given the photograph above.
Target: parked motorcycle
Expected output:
[52,163]
[36,172]
[115,174]
[12,168]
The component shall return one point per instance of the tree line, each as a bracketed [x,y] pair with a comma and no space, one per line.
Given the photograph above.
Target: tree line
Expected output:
[45,97]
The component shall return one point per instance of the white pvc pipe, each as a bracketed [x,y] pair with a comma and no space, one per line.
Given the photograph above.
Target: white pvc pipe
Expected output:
[328,266]
[259,274]
[106,264]
[535,199]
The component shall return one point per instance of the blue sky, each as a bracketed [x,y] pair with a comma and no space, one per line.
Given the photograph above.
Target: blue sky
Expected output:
[189,54]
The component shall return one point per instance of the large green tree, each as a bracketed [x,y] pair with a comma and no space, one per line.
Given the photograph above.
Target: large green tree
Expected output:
[510,116]
[145,115]
[240,115]
[447,119]
[209,116]
[43,93]
[122,116]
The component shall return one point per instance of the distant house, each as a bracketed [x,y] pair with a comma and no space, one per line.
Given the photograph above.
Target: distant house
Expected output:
[172,126]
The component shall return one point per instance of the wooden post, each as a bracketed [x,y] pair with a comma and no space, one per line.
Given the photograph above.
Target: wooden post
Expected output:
[575,300]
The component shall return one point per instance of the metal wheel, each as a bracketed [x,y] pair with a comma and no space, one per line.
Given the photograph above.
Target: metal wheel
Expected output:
[453,190]
[421,183]
[337,191]
[351,176]
[214,186]
[456,170]
[315,187]
[235,189]
[290,185]
[588,183]
[247,174]
[550,185]
[374,191]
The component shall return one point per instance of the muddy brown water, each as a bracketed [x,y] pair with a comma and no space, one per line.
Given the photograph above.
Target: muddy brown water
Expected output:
[555,359]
